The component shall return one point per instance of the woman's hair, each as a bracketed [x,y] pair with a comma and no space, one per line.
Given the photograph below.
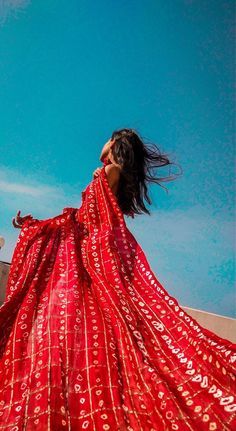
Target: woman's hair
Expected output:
[138,160]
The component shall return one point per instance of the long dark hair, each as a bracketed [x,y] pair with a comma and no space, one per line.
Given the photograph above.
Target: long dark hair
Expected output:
[137,160]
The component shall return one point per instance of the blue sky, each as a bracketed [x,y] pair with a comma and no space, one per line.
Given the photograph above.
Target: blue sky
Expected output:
[72,72]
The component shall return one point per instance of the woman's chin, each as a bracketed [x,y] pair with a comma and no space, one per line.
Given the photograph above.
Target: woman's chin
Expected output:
[103,158]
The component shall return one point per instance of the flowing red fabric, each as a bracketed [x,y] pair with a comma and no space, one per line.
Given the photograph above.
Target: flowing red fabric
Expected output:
[91,340]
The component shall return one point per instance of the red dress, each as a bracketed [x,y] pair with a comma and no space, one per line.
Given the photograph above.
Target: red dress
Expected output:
[91,340]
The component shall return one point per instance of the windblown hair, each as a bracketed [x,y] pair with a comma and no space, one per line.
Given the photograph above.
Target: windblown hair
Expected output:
[138,160]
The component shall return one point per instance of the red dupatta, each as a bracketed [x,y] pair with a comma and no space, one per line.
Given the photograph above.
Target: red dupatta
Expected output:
[90,339]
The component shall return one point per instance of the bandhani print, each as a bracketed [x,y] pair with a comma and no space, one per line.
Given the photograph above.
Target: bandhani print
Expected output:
[91,340]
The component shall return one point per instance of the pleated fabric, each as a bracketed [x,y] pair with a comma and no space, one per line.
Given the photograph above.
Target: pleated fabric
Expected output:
[91,340]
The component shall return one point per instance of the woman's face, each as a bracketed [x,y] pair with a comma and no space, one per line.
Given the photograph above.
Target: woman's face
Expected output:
[106,149]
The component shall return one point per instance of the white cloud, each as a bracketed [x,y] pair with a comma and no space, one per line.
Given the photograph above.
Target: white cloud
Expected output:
[11,7]
[45,197]
[9,187]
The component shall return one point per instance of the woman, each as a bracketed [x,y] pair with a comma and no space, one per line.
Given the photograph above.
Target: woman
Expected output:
[90,339]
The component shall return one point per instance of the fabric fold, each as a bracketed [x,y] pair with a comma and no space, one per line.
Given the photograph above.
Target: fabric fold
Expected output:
[90,339]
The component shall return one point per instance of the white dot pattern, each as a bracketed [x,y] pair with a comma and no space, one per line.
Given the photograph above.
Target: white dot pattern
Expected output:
[91,340]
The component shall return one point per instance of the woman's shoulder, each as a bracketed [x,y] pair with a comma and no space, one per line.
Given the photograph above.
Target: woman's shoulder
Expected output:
[112,169]
[112,173]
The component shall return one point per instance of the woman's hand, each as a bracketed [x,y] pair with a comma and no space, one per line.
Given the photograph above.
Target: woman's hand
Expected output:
[18,221]
[96,173]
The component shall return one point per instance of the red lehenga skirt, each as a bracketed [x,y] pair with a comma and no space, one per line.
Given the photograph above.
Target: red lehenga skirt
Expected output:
[91,340]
